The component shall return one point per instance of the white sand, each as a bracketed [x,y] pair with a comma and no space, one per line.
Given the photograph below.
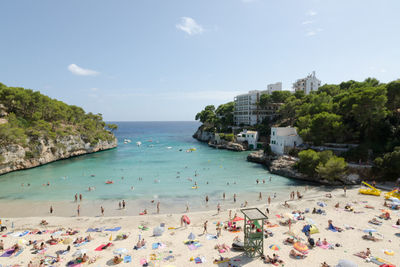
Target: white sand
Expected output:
[350,240]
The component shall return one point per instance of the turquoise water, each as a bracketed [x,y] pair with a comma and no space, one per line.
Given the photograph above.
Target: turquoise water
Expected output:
[161,161]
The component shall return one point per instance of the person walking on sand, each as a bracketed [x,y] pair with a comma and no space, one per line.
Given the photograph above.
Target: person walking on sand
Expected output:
[269,200]
[260,196]
[102,210]
[76,197]
[223,196]
[234,198]
[230,214]
[344,190]
[218,208]
[187,207]
[123,204]
[51,209]
[205,227]
[206,199]
[80,197]
[78,210]
[119,205]
[158,207]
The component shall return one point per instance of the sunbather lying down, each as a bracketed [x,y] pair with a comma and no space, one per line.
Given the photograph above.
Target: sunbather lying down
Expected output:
[288,241]
[363,254]
[375,221]
[296,255]
[370,237]
[275,259]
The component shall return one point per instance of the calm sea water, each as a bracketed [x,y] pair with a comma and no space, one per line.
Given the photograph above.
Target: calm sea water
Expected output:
[167,171]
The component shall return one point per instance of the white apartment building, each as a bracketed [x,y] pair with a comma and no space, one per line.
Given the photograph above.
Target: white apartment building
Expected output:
[307,84]
[284,138]
[250,136]
[274,87]
[246,111]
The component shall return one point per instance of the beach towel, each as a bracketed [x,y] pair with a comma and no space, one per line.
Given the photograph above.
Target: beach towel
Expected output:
[113,229]
[94,230]
[333,229]
[325,246]
[8,253]
[211,237]
[80,244]
[127,259]
[19,252]
[321,204]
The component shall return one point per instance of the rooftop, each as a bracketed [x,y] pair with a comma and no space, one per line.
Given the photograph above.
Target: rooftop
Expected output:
[254,214]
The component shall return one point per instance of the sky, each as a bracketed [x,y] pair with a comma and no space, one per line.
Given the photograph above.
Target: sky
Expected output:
[164,60]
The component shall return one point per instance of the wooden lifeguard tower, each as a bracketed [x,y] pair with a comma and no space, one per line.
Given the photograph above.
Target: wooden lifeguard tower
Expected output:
[253,232]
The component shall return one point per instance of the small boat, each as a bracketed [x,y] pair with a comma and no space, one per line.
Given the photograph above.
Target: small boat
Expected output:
[126,141]
[109,182]
[138,143]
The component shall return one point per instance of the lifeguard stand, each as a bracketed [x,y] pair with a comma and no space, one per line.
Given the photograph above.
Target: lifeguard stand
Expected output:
[253,238]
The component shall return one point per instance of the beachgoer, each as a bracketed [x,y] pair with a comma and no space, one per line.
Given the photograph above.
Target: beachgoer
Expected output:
[119,205]
[269,200]
[223,196]
[274,195]
[234,198]
[78,210]
[187,207]
[206,199]
[76,197]
[205,227]
[230,214]
[368,252]
[398,222]
[158,207]
[337,205]
[80,197]
[260,196]
[102,210]
[344,190]
[1,245]
[218,208]
[51,209]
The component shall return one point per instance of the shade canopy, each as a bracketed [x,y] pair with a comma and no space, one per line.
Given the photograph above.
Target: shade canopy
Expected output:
[254,214]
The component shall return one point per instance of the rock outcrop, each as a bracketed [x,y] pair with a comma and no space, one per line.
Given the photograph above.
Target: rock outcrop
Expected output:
[209,138]
[204,136]
[15,157]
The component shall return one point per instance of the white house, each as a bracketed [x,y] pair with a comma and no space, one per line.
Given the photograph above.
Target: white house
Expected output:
[284,138]
[307,84]
[250,136]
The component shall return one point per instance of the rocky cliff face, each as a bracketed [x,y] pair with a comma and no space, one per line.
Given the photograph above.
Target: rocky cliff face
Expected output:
[16,157]
[204,136]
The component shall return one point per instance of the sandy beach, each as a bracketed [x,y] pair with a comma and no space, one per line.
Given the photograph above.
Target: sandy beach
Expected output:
[169,248]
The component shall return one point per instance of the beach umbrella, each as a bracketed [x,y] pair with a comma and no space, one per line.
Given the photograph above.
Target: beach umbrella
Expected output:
[237,218]
[120,251]
[158,231]
[370,230]
[191,236]
[300,247]
[393,199]
[346,263]
[79,252]
[274,247]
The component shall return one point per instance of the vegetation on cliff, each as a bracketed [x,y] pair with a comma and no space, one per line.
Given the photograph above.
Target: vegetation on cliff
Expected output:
[29,116]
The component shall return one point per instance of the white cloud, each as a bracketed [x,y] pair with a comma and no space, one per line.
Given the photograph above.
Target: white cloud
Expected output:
[307,22]
[94,89]
[75,69]
[311,13]
[311,33]
[189,26]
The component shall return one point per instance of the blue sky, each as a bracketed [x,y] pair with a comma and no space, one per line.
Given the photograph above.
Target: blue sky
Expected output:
[167,59]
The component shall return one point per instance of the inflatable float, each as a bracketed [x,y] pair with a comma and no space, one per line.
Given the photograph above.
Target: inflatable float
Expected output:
[395,193]
[369,191]
[109,182]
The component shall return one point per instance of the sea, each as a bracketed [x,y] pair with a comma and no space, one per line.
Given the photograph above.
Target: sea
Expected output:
[165,167]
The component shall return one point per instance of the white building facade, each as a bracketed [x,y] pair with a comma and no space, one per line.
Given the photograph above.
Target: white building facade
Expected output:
[246,110]
[274,87]
[250,136]
[283,139]
[307,84]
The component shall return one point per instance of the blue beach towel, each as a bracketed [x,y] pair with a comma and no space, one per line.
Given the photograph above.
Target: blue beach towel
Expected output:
[127,259]
[113,229]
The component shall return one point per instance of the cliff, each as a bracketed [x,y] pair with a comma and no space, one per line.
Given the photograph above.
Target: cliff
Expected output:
[16,157]
[285,166]
[210,138]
